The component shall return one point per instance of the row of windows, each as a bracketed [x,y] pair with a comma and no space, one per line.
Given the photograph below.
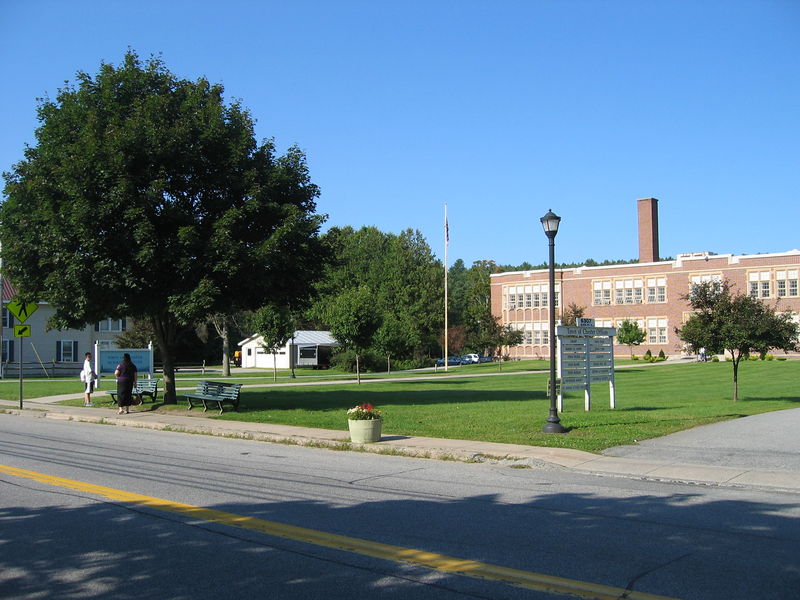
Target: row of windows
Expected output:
[529,300]
[630,296]
[536,338]
[66,350]
[656,328]
[106,325]
[630,291]
[787,284]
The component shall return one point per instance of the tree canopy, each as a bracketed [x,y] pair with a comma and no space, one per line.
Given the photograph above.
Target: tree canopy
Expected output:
[630,334]
[401,281]
[726,320]
[471,321]
[147,196]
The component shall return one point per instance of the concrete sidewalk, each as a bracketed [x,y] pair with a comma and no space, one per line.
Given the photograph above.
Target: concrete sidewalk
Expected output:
[652,466]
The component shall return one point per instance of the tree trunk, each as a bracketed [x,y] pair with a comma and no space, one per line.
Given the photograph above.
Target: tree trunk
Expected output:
[274,366]
[226,347]
[736,359]
[358,371]
[165,337]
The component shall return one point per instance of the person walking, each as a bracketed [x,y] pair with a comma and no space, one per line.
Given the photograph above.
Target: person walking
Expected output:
[126,374]
[89,377]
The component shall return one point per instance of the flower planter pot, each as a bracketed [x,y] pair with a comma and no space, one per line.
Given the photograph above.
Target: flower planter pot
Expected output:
[365,431]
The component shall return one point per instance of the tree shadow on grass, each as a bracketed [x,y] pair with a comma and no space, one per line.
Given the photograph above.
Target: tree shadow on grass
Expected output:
[794,399]
[323,399]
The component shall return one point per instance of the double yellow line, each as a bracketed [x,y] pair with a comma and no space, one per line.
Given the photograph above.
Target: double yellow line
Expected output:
[439,562]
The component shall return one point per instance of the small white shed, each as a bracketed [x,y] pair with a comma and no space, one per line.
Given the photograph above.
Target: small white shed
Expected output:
[305,349]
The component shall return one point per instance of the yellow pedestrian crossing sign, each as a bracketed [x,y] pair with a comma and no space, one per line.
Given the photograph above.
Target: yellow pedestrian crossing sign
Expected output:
[22,331]
[22,311]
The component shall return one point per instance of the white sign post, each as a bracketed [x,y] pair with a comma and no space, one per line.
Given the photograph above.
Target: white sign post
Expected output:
[585,355]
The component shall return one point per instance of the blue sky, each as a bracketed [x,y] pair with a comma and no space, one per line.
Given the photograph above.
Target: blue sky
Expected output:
[501,109]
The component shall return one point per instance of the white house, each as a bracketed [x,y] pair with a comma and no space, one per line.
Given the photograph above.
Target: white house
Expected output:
[48,352]
[305,349]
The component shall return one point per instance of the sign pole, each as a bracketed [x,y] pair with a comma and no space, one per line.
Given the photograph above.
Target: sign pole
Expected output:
[21,346]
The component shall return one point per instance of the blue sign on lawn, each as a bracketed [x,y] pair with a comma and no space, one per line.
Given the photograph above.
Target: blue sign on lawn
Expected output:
[142,358]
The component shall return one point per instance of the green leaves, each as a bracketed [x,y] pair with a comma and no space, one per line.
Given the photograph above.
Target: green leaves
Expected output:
[736,322]
[147,196]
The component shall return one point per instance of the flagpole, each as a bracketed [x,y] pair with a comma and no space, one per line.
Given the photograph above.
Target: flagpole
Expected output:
[446,244]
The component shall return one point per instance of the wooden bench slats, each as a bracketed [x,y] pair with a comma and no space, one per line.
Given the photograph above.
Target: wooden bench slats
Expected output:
[143,387]
[217,392]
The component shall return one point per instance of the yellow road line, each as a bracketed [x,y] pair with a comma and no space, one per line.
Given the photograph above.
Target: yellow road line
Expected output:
[439,562]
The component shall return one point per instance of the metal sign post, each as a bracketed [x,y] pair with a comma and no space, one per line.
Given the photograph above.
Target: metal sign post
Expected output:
[21,312]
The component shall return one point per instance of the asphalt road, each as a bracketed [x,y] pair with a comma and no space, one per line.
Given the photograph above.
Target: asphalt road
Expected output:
[72,540]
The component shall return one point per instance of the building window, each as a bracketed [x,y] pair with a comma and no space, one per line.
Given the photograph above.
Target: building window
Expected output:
[656,290]
[760,284]
[656,331]
[112,325]
[8,350]
[528,296]
[8,318]
[628,291]
[602,293]
[707,278]
[66,351]
[786,283]
[103,344]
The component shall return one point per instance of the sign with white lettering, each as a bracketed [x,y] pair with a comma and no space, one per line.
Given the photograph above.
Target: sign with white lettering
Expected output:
[585,356]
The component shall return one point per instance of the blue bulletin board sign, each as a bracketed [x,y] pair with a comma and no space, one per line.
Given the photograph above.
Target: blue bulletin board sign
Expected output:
[107,360]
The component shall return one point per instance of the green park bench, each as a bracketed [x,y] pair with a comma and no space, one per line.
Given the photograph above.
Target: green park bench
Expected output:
[143,387]
[209,392]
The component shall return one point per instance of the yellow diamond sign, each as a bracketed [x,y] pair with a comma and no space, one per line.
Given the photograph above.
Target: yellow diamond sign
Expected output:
[20,310]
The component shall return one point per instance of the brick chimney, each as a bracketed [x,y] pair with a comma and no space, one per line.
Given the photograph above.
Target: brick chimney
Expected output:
[648,230]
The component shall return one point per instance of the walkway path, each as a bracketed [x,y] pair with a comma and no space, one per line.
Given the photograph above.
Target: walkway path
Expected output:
[762,451]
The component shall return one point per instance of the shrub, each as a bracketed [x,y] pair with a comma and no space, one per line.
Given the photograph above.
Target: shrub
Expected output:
[780,358]
[369,361]
[407,364]
[769,357]
[634,357]
[648,355]
[661,355]
[715,358]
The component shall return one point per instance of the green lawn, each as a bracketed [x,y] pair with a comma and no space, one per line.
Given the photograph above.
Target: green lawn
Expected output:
[652,401]
[38,387]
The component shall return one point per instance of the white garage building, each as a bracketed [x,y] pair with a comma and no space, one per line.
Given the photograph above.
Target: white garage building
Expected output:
[305,349]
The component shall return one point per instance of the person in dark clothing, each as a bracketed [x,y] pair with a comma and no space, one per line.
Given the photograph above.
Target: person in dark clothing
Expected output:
[126,374]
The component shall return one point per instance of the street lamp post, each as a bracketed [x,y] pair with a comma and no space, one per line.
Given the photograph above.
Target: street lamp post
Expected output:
[550,223]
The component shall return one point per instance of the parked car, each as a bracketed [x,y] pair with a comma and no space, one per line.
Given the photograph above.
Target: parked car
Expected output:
[470,359]
[485,359]
[452,361]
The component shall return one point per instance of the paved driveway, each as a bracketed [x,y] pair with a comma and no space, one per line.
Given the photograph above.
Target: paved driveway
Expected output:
[767,441]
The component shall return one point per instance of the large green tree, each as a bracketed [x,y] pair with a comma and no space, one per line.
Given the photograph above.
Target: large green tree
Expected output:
[404,282]
[727,320]
[147,196]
